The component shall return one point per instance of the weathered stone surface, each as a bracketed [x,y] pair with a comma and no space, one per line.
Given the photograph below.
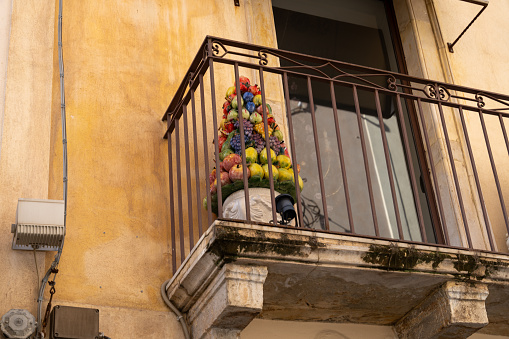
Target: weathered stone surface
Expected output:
[221,333]
[230,302]
[336,278]
[455,310]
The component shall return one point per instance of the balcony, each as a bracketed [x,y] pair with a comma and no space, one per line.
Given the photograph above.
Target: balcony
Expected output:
[402,208]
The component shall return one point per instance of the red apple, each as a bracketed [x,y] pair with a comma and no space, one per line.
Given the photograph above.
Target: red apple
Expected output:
[259,109]
[230,161]
[229,127]
[226,107]
[237,173]
[221,139]
[254,89]
[244,80]
[225,179]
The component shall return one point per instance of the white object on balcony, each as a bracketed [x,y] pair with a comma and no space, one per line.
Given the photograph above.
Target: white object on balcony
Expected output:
[39,224]
[234,207]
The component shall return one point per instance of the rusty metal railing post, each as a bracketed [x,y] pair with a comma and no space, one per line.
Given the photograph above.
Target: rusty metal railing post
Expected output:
[341,158]
[267,147]
[365,157]
[242,143]
[292,149]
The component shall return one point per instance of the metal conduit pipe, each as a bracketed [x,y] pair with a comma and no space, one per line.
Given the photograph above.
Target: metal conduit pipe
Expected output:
[54,264]
[175,310]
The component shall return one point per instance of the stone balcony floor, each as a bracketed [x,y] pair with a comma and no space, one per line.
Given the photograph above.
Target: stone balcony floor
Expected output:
[241,271]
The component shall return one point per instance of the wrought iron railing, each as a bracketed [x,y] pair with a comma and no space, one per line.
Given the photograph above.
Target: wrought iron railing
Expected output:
[449,156]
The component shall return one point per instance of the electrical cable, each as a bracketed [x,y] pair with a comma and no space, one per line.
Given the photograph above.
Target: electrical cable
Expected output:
[37,269]
[175,310]
[54,264]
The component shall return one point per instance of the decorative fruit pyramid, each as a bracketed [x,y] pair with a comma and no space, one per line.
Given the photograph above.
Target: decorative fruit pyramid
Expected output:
[231,171]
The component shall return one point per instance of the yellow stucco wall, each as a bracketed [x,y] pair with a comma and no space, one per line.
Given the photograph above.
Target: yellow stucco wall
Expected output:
[480,61]
[123,62]
[24,160]
[5,32]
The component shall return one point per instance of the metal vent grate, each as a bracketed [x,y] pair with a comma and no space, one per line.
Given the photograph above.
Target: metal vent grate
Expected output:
[39,225]
[44,237]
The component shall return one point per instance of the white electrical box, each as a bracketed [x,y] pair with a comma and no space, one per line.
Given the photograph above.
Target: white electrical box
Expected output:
[39,225]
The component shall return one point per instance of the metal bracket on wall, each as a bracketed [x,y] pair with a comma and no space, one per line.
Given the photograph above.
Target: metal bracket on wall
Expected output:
[236,2]
[483,3]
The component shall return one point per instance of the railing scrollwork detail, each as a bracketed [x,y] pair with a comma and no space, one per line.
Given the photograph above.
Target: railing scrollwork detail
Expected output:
[430,90]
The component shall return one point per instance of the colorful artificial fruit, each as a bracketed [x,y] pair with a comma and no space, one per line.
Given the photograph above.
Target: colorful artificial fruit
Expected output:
[254,90]
[237,173]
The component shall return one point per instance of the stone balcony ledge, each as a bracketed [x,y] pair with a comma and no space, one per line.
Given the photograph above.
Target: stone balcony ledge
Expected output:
[314,276]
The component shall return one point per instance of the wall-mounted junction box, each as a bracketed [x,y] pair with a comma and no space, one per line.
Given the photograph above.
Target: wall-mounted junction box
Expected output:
[74,323]
[39,224]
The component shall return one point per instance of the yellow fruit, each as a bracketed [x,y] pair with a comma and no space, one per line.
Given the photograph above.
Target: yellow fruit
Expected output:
[283,161]
[263,156]
[251,155]
[285,175]
[275,172]
[258,128]
[301,183]
[256,171]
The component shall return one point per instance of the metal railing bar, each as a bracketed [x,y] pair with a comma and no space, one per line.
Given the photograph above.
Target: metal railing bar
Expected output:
[454,174]
[172,209]
[216,141]
[242,142]
[410,166]
[437,223]
[318,155]
[494,169]
[279,71]
[365,156]
[188,179]
[292,149]
[504,132]
[476,177]
[341,157]
[205,150]
[389,167]
[345,84]
[267,146]
[196,165]
[366,69]
[179,194]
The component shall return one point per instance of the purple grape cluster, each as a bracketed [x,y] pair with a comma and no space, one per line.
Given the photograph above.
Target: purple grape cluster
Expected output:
[275,144]
[235,144]
[248,127]
[258,142]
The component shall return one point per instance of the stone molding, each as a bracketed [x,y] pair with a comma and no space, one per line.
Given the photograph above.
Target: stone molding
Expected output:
[229,303]
[455,310]
[316,276]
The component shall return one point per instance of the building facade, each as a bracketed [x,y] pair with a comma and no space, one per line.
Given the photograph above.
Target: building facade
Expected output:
[125,61]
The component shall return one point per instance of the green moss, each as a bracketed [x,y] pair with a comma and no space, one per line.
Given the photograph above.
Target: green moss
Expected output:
[230,243]
[469,267]
[393,257]
[475,267]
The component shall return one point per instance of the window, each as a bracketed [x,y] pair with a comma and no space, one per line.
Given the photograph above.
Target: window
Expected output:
[358,32]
